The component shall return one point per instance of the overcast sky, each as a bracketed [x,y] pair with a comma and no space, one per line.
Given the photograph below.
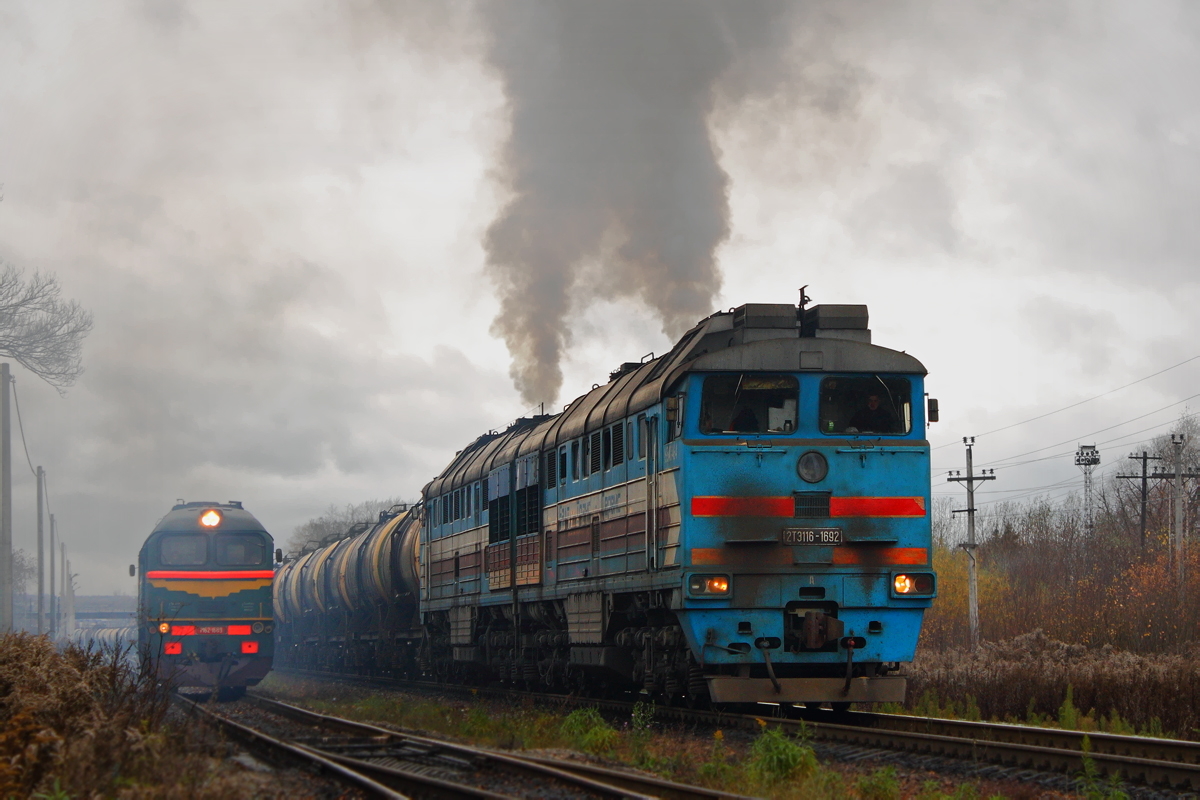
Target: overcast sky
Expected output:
[310,231]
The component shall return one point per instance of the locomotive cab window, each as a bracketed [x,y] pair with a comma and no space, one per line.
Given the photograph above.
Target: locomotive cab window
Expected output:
[749,403]
[240,549]
[866,405]
[183,550]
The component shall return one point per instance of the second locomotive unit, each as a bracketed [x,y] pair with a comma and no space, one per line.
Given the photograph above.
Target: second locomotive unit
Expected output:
[204,598]
[744,519]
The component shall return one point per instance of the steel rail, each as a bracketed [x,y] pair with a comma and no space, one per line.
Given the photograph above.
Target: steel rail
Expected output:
[1141,759]
[261,741]
[601,780]
[1148,747]
[1152,771]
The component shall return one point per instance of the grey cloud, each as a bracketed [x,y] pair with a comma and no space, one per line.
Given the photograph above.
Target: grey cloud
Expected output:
[167,162]
[912,211]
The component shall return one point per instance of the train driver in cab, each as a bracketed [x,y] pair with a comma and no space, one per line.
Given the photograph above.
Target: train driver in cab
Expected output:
[874,417]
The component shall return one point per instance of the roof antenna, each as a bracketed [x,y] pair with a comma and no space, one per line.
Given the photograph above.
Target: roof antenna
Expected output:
[800,315]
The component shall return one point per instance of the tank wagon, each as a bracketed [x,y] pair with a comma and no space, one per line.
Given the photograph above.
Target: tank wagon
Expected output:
[351,604]
[204,597]
[744,519]
[108,637]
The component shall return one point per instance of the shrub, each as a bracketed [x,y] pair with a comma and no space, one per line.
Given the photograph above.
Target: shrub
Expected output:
[882,784]
[587,730]
[776,757]
[84,722]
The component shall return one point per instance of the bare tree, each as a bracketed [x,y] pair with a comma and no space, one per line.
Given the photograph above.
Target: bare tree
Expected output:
[40,331]
[337,522]
[24,567]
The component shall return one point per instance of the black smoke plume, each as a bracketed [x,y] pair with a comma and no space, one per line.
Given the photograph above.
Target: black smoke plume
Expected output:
[615,189]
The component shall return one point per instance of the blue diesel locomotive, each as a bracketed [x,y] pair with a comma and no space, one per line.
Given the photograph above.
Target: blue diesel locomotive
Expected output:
[744,519]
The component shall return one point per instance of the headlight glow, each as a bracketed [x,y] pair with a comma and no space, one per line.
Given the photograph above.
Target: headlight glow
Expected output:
[163,627]
[210,518]
[708,584]
[913,584]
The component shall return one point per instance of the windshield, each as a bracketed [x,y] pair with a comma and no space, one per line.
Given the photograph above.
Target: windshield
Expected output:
[183,550]
[862,405]
[240,549]
[749,403]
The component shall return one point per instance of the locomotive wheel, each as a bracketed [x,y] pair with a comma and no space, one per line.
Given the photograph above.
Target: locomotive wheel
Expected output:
[227,694]
[840,708]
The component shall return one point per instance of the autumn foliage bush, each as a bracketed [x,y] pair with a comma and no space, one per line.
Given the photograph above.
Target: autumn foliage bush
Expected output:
[1135,605]
[84,722]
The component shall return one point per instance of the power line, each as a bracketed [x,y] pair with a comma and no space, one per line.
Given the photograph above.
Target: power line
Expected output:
[1106,441]
[1093,433]
[1081,402]
[1068,452]
[21,425]
[25,447]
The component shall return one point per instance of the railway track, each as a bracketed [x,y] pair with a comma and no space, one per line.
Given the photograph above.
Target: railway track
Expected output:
[1135,759]
[391,764]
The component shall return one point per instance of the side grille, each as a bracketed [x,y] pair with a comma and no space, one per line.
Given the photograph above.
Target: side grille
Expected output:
[812,505]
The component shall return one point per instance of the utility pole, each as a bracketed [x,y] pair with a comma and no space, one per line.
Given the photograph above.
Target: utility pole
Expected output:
[6,559]
[1144,458]
[972,577]
[53,605]
[68,590]
[1086,458]
[62,626]
[1177,439]
[41,495]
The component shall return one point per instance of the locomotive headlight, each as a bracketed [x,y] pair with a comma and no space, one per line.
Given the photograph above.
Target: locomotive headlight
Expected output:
[812,467]
[717,585]
[163,627]
[912,584]
[708,585]
[257,627]
[210,518]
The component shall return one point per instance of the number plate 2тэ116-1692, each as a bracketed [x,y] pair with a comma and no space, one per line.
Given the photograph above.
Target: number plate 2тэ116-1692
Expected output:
[818,536]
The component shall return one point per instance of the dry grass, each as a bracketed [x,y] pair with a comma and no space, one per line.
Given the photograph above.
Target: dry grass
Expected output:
[1033,678]
[82,723]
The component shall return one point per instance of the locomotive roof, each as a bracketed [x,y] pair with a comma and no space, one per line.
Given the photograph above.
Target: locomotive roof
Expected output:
[753,337]
[186,517]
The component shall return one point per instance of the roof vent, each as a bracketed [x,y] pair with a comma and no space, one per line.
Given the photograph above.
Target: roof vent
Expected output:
[829,321]
[765,315]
